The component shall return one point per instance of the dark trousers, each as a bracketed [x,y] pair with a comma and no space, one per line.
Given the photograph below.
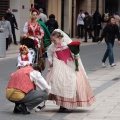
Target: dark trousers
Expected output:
[80,30]
[13,32]
[33,98]
[89,31]
[96,31]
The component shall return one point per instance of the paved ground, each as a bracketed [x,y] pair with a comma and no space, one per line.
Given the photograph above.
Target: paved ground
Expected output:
[106,85]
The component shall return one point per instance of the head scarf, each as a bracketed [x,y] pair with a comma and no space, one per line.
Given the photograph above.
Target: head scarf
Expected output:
[66,38]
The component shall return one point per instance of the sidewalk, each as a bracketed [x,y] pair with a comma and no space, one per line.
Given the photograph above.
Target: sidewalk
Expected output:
[105,83]
[106,86]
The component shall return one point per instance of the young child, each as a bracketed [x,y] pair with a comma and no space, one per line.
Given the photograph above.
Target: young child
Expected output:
[69,88]
[24,57]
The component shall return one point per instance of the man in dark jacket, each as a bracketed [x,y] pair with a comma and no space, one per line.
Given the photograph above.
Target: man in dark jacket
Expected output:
[109,32]
[88,25]
[11,18]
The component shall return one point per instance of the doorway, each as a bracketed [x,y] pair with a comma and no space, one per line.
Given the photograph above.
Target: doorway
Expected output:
[111,6]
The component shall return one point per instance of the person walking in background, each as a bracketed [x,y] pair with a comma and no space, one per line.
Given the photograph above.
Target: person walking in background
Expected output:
[69,88]
[109,32]
[42,16]
[11,18]
[97,25]
[52,24]
[22,91]
[80,23]
[7,30]
[105,18]
[88,26]
[117,19]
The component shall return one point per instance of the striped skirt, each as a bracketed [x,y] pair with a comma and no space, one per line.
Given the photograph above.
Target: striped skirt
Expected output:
[84,96]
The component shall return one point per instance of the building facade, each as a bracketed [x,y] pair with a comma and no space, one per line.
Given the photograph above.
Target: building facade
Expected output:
[65,11]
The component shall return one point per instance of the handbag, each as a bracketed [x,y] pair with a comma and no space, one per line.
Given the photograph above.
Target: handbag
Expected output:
[9,39]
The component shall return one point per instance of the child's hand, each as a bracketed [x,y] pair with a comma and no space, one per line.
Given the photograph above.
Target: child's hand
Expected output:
[51,65]
[76,57]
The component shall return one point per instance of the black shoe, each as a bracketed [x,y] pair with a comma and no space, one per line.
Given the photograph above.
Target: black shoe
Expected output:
[62,109]
[23,109]
[16,111]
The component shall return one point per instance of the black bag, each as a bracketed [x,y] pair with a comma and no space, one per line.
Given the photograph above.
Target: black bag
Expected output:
[9,40]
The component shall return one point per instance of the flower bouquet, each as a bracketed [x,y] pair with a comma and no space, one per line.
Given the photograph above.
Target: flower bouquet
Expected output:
[75,49]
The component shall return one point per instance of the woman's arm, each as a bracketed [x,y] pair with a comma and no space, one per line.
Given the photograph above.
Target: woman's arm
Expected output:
[50,52]
[9,27]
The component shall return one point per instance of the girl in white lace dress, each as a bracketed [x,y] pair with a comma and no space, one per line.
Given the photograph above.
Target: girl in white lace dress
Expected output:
[69,88]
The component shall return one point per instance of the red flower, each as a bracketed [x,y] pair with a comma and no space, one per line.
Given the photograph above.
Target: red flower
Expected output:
[75,43]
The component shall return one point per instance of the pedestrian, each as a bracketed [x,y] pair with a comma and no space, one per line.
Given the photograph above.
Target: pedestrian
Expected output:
[52,24]
[117,19]
[42,17]
[88,26]
[69,88]
[27,88]
[109,32]
[97,25]
[105,18]
[24,57]
[80,23]
[11,18]
[5,24]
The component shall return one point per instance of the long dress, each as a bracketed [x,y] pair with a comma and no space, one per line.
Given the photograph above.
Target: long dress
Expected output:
[32,32]
[69,88]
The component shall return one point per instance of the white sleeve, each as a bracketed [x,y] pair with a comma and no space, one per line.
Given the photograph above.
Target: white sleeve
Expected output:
[41,30]
[50,53]
[9,26]
[83,15]
[39,81]
[25,28]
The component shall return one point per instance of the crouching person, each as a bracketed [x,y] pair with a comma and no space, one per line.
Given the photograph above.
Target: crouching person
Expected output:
[22,91]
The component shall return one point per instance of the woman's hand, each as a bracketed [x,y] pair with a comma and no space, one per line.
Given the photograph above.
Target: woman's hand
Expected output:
[24,35]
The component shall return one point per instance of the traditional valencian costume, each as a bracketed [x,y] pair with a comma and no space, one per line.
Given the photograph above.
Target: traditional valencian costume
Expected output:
[32,31]
[24,57]
[69,88]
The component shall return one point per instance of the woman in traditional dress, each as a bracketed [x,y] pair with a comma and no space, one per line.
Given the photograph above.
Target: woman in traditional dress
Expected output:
[69,88]
[33,30]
